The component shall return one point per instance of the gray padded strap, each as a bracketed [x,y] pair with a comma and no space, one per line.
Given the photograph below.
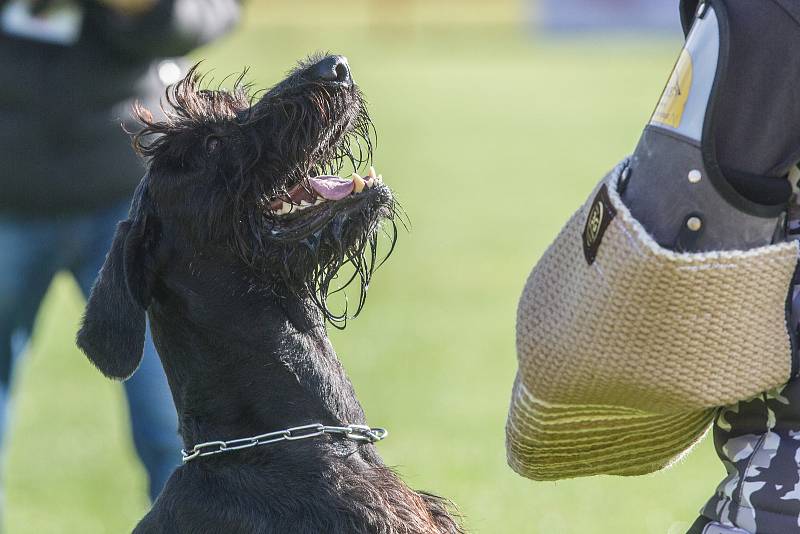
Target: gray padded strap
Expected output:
[683,207]
[674,186]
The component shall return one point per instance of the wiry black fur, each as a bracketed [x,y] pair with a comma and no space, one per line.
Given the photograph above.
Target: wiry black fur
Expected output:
[313,129]
[237,304]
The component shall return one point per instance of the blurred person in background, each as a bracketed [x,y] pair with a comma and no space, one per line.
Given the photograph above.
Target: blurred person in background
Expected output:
[70,71]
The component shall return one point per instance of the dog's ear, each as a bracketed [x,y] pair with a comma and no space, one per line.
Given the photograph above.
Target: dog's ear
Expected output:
[112,334]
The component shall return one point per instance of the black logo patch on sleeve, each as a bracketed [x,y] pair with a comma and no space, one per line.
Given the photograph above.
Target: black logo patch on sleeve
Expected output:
[600,216]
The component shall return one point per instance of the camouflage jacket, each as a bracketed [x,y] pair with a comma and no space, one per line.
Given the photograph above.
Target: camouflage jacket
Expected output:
[759,442]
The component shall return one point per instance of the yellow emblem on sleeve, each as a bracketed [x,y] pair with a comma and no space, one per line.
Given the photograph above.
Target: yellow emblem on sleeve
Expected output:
[669,111]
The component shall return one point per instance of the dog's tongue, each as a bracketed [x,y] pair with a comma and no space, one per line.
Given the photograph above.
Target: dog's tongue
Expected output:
[331,187]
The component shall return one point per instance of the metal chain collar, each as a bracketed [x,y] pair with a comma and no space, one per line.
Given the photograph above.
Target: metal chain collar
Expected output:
[359,433]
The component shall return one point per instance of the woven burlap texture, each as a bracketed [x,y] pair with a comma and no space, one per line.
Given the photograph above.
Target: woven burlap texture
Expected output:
[644,337]
[552,442]
[650,329]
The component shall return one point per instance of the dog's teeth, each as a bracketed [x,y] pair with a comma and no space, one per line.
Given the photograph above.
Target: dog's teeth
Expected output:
[370,182]
[319,201]
[304,204]
[359,183]
[372,173]
[286,208]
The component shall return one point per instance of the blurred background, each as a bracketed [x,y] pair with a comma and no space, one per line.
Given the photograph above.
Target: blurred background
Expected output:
[495,119]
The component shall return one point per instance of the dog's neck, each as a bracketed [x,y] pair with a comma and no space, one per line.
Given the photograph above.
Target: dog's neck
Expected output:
[268,366]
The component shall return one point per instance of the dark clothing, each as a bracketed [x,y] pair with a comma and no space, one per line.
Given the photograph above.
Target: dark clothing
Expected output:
[61,143]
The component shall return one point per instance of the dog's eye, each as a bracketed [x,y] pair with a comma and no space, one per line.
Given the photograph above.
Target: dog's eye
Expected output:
[212,143]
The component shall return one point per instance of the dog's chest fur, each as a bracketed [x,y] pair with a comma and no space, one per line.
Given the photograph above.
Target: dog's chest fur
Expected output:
[306,490]
[282,373]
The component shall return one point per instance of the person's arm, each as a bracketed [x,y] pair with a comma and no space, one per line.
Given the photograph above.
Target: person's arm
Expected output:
[152,28]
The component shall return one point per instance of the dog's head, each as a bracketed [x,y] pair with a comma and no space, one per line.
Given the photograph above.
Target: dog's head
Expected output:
[242,194]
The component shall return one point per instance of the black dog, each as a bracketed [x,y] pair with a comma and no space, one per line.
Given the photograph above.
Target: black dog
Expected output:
[234,237]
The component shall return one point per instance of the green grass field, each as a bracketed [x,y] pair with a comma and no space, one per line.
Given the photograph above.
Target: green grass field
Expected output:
[490,137]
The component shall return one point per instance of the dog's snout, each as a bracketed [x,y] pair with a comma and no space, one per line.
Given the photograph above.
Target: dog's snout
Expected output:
[333,69]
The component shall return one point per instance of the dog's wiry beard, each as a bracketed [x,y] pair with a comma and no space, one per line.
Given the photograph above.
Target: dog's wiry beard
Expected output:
[321,132]
[343,254]
[337,250]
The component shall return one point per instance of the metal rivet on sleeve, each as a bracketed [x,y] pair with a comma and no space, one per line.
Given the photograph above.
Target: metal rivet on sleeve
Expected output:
[694,224]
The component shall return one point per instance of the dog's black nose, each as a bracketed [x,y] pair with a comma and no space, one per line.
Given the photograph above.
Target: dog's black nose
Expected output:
[332,69]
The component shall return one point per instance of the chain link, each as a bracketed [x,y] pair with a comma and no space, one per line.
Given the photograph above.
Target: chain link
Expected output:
[359,433]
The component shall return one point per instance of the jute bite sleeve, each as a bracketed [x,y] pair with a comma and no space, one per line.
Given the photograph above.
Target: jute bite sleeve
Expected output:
[625,348]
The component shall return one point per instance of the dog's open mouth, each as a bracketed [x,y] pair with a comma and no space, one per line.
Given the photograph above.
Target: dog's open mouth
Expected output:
[323,191]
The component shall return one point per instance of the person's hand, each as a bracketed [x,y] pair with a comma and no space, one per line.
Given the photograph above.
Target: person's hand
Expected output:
[129,7]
